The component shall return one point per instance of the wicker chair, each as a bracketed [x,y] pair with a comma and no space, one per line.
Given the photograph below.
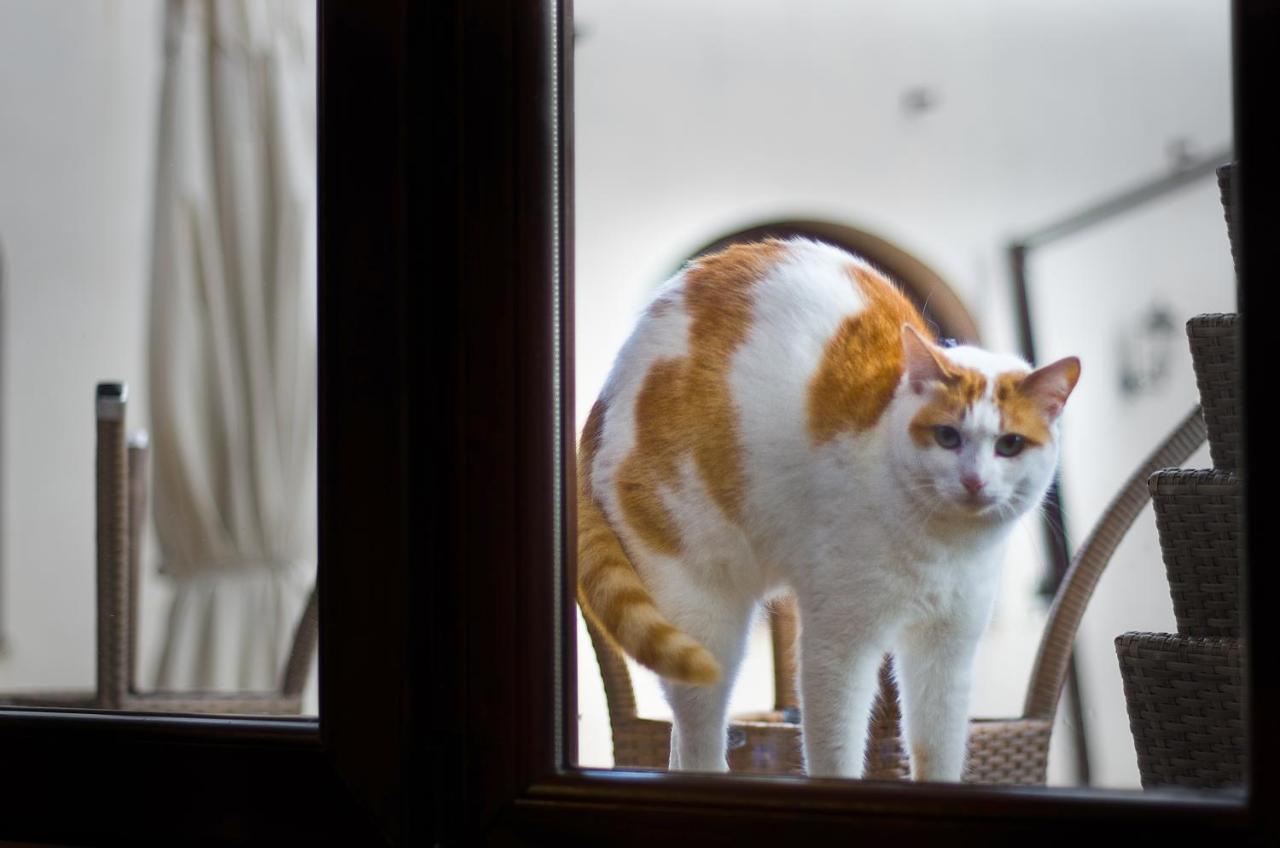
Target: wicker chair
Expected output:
[1001,751]
[1186,691]
[121,476]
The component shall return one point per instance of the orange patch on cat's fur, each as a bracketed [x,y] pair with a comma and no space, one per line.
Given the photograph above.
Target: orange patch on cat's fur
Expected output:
[611,593]
[718,297]
[863,362]
[655,459]
[685,407]
[1028,402]
[1020,413]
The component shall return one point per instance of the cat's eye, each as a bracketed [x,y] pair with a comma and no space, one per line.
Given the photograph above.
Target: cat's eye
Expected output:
[947,437]
[1010,444]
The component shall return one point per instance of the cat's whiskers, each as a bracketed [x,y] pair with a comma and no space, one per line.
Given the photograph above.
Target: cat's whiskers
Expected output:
[922,515]
[1028,527]
[1041,510]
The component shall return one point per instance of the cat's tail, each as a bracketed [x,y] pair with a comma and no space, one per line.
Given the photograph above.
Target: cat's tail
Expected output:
[612,595]
[610,592]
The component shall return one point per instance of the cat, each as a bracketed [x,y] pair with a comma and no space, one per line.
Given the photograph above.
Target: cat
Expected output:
[781,418]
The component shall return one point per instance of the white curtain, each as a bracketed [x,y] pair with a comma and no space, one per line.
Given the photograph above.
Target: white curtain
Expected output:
[232,357]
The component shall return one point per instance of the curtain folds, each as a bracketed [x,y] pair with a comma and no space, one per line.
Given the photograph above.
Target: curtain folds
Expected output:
[232,357]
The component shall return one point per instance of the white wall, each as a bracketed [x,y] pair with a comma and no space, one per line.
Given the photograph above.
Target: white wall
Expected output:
[694,119]
[79,83]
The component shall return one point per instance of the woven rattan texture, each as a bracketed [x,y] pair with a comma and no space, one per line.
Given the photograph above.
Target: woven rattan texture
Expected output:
[1215,359]
[1198,519]
[112,520]
[1185,698]
[1006,752]
[1087,566]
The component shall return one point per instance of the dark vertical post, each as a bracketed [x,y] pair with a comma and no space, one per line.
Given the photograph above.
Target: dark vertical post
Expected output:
[112,510]
[1255,183]
[564,153]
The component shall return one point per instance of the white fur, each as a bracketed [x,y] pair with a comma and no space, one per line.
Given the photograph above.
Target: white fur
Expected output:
[871,532]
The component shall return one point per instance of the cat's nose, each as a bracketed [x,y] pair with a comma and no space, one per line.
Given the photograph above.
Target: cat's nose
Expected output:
[972,483]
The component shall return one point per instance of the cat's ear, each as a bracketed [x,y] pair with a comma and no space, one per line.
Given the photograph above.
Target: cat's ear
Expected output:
[1052,384]
[923,364]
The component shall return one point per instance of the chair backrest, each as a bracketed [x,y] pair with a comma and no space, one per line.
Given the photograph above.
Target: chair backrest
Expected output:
[139,471]
[121,506]
[619,696]
[111,505]
[1053,658]
[784,627]
[305,638]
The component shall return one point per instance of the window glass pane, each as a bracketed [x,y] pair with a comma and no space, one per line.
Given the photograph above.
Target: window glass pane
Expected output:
[975,154]
[158,383]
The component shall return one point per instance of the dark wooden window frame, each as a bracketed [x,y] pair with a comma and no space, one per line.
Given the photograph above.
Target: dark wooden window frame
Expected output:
[445,433]
[84,778]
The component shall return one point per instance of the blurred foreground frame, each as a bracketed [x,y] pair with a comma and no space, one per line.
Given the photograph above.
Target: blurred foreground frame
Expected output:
[445,620]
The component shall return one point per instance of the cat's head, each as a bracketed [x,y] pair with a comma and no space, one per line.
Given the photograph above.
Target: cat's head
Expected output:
[977,432]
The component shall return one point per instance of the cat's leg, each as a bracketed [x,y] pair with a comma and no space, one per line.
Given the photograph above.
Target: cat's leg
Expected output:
[840,653]
[698,737]
[934,666]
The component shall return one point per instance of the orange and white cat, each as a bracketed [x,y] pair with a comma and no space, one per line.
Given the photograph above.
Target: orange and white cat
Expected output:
[781,418]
